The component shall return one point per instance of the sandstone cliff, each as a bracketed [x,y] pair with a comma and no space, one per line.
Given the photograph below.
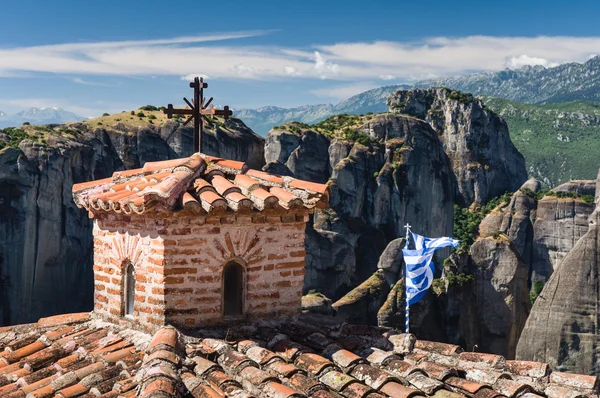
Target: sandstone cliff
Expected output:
[562,328]
[45,240]
[484,159]
[388,170]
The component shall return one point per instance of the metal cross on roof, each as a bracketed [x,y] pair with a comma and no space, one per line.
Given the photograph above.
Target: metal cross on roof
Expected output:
[198,110]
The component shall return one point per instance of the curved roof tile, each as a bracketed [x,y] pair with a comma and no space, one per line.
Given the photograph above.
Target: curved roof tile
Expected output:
[195,183]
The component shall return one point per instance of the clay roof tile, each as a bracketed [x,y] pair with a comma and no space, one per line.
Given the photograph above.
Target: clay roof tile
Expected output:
[335,380]
[212,201]
[190,203]
[65,319]
[278,390]
[263,199]
[165,337]
[246,183]
[265,178]
[478,359]
[527,368]
[574,380]
[256,376]
[439,348]
[397,390]
[282,368]
[286,199]
[223,186]
[313,363]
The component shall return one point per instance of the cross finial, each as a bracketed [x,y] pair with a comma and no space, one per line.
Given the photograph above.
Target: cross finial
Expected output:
[198,110]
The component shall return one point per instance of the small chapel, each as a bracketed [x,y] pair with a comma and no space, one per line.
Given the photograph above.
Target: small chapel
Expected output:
[197,242]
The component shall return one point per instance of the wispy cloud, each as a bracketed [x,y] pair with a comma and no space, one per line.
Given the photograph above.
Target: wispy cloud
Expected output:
[220,56]
[79,80]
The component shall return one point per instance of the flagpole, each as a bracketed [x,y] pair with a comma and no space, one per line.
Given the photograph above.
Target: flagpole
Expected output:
[407,315]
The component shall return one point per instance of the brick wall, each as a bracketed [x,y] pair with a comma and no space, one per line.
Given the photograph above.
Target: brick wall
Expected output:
[270,248]
[179,263]
[118,240]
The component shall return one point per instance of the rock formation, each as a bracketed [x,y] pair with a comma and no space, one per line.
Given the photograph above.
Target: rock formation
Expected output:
[562,328]
[403,176]
[485,161]
[45,240]
[491,308]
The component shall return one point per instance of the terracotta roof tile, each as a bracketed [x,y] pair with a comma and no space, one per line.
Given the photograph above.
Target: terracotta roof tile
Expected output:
[527,368]
[165,184]
[479,359]
[64,319]
[81,359]
[397,390]
[282,368]
[256,376]
[313,363]
[439,348]
[277,390]
[574,380]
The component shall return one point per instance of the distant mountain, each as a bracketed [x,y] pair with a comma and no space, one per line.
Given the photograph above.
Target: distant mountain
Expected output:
[261,120]
[54,115]
[560,142]
[534,85]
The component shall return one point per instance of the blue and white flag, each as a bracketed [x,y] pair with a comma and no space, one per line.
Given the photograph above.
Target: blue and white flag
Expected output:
[419,267]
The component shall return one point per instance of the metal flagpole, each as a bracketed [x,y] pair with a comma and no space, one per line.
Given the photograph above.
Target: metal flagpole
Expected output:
[407,315]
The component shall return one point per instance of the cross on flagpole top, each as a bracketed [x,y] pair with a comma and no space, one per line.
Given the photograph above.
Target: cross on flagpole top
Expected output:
[198,111]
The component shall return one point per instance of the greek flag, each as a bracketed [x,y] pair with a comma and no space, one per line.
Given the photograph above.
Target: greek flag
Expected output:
[419,267]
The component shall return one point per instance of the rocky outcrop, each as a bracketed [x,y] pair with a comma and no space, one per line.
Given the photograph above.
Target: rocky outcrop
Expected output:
[562,328]
[45,240]
[316,303]
[360,306]
[515,220]
[485,161]
[486,300]
[544,230]
[404,176]
[559,224]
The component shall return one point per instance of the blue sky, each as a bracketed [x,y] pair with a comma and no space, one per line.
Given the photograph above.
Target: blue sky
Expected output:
[108,56]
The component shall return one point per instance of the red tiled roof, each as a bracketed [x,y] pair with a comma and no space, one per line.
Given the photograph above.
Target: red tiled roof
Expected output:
[201,184]
[73,356]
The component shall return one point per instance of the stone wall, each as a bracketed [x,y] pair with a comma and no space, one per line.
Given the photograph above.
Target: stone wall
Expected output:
[179,261]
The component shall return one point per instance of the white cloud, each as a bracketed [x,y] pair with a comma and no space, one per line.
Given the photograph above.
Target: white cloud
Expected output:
[525,60]
[223,58]
[290,70]
[190,77]
[79,80]
[322,66]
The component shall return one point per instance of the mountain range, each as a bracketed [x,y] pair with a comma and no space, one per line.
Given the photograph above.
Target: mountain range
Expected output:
[530,84]
[38,116]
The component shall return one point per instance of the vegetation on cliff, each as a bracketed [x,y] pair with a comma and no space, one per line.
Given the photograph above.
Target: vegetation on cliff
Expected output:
[341,126]
[467,220]
[559,141]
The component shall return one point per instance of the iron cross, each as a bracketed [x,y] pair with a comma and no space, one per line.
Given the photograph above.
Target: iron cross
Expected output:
[197,111]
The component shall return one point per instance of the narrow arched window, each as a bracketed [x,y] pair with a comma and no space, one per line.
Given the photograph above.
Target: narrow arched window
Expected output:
[233,290]
[129,293]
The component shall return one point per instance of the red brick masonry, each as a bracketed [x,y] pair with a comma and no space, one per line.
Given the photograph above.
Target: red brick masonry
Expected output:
[179,222]
[179,266]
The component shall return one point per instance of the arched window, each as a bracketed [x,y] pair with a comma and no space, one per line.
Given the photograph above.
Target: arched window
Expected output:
[233,290]
[129,290]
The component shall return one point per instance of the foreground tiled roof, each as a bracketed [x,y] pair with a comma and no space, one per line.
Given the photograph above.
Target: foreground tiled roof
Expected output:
[72,356]
[201,184]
